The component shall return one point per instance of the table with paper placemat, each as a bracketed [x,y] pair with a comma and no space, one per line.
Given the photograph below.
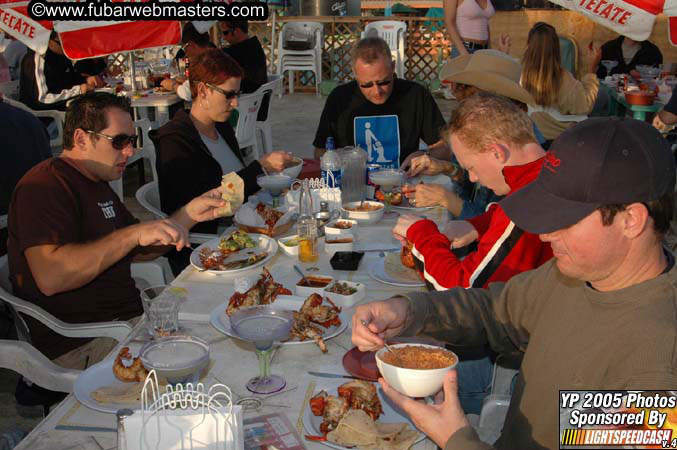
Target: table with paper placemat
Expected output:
[233,361]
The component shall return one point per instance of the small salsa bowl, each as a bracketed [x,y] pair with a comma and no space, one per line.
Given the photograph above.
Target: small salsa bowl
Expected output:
[370,212]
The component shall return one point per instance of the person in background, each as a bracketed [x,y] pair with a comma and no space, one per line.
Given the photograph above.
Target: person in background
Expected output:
[193,44]
[14,52]
[666,118]
[467,24]
[629,54]
[48,81]
[25,144]
[560,99]
[196,148]
[248,53]
[601,315]
[383,114]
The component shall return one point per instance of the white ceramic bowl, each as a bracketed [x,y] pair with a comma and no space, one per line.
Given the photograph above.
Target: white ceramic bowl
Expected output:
[305,291]
[333,247]
[346,301]
[295,170]
[289,250]
[330,229]
[363,217]
[180,359]
[413,382]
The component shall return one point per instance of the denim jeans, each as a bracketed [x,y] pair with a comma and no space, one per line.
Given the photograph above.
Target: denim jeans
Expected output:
[474,383]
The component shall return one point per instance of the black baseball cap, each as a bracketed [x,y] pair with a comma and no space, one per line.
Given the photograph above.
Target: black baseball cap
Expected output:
[600,161]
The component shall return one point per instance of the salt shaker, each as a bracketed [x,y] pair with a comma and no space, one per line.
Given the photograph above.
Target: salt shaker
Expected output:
[322,217]
[120,415]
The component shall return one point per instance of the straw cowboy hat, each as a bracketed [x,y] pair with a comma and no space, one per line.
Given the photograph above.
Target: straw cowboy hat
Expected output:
[488,70]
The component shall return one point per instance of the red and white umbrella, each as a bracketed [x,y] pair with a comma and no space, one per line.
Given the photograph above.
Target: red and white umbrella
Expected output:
[86,39]
[632,18]
[15,21]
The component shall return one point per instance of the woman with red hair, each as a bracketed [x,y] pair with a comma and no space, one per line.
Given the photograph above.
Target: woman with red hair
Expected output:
[197,147]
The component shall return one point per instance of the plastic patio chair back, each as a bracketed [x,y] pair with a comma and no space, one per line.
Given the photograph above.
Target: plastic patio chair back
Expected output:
[305,60]
[391,31]
[10,89]
[245,131]
[569,54]
[56,143]
[263,125]
[146,150]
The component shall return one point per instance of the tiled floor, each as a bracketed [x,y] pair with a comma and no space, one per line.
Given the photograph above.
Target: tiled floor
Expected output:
[294,121]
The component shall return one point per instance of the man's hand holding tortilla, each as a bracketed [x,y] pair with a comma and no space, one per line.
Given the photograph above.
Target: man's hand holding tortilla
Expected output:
[439,421]
[376,321]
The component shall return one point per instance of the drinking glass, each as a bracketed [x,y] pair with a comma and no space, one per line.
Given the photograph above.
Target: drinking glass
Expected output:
[263,325]
[161,306]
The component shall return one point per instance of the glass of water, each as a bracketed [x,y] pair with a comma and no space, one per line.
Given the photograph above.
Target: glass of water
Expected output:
[161,306]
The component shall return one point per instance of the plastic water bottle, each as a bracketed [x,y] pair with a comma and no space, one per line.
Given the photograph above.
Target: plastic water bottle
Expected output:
[331,163]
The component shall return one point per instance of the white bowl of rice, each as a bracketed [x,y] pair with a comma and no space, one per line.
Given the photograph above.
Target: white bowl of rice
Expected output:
[418,370]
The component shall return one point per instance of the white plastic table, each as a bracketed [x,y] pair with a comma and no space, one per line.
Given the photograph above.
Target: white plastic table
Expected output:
[71,425]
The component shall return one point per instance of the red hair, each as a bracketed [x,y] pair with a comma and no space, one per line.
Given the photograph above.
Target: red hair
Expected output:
[212,66]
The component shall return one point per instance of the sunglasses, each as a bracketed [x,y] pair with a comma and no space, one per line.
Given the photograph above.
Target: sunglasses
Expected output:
[228,31]
[119,141]
[228,94]
[377,83]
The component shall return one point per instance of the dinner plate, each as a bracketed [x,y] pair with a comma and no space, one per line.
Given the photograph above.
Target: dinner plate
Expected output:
[377,271]
[264,242]
[361,364]
[220,320]
[97,376]
[391,414]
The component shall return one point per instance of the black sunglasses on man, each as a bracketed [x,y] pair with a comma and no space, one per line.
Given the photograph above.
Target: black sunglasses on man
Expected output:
[119,141]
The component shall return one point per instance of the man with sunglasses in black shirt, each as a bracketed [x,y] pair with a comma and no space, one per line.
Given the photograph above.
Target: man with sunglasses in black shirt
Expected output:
[381,113]
[71,240]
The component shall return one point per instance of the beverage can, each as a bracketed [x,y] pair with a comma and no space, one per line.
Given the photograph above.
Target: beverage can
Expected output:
[372,168]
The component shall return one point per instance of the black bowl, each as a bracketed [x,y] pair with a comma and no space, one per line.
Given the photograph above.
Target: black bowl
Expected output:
[346,260]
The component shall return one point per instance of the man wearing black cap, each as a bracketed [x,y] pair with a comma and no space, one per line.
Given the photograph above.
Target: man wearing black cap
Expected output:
[601,315]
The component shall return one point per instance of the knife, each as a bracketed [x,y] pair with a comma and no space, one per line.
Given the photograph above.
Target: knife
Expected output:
[332,375]
[384,250]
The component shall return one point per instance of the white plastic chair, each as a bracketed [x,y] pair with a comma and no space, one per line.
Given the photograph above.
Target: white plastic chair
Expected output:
[146,151]
[148,196]
[305,60]
[391,31]
[245,131]
[25,359]
[56,143]
[263,127]
[10,89]
[495,405]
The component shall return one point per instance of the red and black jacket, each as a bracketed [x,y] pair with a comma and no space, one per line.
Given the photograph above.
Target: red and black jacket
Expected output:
[503,249]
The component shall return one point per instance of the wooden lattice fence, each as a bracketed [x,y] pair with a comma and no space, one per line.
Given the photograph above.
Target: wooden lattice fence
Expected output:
[425,46]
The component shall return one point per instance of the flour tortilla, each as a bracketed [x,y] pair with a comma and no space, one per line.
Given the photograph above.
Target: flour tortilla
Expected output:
[395,269]
[356,428]
[233,193]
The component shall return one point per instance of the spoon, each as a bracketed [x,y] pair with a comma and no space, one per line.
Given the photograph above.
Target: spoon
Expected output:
[365,323]
[300,272]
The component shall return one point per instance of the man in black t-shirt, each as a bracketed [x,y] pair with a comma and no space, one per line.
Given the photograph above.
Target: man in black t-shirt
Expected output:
[71,240]
[384,115]
[248,53]
[629,54]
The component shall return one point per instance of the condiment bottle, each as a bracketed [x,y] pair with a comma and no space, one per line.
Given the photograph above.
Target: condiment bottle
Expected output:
[307,226]
[322,217]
